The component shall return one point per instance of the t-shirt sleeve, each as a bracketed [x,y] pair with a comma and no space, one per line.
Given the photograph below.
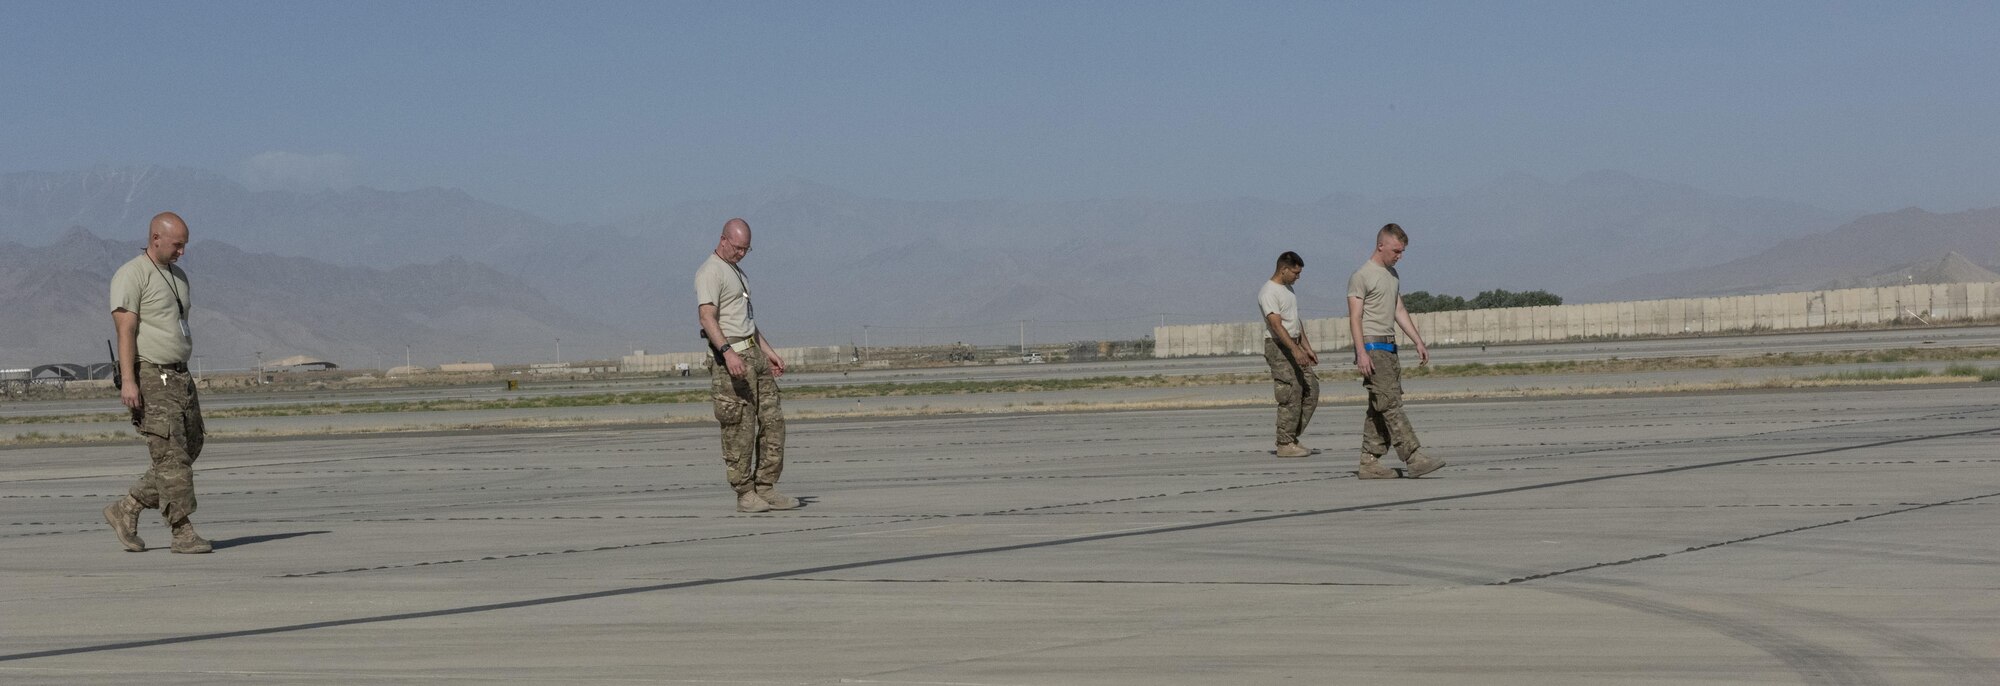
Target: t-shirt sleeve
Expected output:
[1357,285]
[1267,300]
[707,287]
[128,287]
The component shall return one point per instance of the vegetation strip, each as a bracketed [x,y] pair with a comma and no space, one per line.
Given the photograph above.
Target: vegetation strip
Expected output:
[1956,372]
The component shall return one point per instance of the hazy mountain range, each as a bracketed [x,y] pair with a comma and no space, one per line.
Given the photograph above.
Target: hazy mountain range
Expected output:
[1844,256]
[358,274]
[54,299]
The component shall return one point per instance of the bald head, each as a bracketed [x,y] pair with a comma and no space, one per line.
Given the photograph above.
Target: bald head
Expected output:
[166,238]
[735,241]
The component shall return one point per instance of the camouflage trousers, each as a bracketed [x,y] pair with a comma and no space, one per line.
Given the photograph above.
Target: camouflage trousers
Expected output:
[753,422]
[1297,389]
[170,421]
[1385,423]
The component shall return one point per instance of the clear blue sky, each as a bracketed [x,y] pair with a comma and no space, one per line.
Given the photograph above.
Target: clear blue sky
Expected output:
[589,111]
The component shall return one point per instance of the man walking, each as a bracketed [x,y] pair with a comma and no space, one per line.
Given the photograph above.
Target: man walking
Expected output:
[1374,310]
[1290,355]
[149,308]
[745,376]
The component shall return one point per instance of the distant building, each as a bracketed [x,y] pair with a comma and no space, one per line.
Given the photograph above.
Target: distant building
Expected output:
[467,367]
[14,380]
[298,363]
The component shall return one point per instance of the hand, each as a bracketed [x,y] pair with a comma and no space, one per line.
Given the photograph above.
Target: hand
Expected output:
[1423,354]
[734,362]
[1302,356]
[1365,365]
[777,363]
[1312,358]
[130,396]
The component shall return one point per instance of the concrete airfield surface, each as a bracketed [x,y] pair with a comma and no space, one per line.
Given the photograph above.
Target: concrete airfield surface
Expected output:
[1790,537]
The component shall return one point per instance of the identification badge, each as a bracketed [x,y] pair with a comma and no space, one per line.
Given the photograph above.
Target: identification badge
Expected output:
[185,333]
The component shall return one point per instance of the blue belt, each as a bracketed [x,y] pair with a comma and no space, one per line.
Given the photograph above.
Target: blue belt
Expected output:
[1384,347]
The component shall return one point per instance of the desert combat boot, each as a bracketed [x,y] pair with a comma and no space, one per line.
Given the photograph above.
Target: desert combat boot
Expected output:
[1420,465]
[1294,450]
[123,516]
[748,501]
[777,501]
[1371,468]
[187,541]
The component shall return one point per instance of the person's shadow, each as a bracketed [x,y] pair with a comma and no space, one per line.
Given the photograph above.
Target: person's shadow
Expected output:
[247,540]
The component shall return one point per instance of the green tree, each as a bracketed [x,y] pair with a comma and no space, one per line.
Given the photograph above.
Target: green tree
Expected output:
[1424,301]
[1505,298]
[1539,298]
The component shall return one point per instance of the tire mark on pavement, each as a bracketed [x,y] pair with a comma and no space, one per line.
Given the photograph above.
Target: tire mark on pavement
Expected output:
[1745,539]
[921,557]
[1816,664]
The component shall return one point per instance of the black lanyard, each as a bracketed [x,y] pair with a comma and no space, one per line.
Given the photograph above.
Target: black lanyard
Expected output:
[749,306]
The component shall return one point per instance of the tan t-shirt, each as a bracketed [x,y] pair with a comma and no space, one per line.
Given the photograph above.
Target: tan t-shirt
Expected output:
[1279,299]
[721,284]
[1379,289]
[160,297]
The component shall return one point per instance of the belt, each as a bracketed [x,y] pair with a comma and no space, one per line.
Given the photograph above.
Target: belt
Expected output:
[743,344]
[1384,347]
[1378,339]
[175,367]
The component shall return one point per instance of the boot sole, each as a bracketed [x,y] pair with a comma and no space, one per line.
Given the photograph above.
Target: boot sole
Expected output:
[1434,467]
[197,551]
[130,546]
[780,507]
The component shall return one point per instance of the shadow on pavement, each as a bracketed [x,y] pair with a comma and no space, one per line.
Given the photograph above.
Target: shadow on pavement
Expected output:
[247,540]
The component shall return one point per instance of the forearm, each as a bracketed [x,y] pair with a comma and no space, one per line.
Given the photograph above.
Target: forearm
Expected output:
[711,326]
[1354,323]
[1276,326]
[128,344]
[1409,326]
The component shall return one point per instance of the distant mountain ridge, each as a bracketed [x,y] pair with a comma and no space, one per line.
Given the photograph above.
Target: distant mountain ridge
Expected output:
[359,226]
[1866,246]
[54,299]
[827,262]
[1952,268]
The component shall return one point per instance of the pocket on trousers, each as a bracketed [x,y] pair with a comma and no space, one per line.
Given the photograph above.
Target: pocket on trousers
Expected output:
[156,419]
[728,409]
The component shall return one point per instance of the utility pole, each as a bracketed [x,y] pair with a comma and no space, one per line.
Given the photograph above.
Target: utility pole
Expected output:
[1024,336]
[558,350]
[864,335]
[406,355]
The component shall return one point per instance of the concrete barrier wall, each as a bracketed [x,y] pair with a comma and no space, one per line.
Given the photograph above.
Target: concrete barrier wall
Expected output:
[1766,312]
[820,355]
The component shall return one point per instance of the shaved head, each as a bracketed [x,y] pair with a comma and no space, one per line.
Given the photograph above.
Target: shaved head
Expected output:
[166,221]
[734,228]
[166,238]
[735,241]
